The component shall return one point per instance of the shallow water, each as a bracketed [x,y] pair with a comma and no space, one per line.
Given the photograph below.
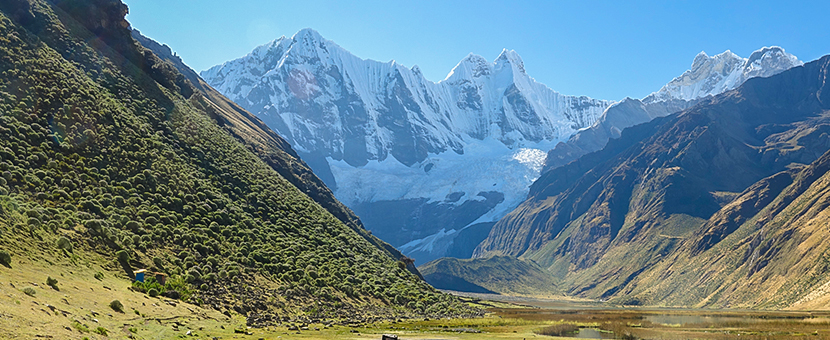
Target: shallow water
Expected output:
[667,323]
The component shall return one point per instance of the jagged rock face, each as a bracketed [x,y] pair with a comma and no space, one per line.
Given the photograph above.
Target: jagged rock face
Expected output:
[708,76]
[383,137]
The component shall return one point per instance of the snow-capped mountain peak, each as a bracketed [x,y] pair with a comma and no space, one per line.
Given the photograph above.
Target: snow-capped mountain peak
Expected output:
[723,72]
[700,58]
[708,76]
[379,131]
[308,36]
[472,66]
[768,61]
[510,57]
[324,99]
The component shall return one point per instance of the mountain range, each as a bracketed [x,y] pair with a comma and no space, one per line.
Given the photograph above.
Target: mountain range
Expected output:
[430,166]
[708,76]
[715,206]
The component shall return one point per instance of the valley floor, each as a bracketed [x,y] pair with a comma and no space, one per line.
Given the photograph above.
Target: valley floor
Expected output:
[80,310]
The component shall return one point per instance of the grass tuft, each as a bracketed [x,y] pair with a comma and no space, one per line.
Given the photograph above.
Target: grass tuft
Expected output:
[101,330]
[80,327]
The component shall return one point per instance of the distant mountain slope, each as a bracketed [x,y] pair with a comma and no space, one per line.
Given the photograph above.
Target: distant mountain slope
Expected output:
[418,161]
[765,249]
[498,274]
[107,150]
[673,188]
[708,76]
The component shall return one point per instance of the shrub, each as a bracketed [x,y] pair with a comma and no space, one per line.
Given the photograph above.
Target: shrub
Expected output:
[117,306]
[153,292]
[34,222]
[562,329]
[173,294]
[29,291]
[158,262]
[5,258]
[195,273]
[99,276]
[52,283]
[101,330]
[123,256]
[63,243]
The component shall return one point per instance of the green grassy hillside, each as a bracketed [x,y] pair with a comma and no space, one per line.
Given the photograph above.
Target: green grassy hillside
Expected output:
[107,160]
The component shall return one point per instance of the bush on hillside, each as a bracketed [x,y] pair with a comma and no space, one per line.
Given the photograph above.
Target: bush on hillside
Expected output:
[64,243]
[29,291]
[5,258]
[117,306]
[52,283]
[123,257]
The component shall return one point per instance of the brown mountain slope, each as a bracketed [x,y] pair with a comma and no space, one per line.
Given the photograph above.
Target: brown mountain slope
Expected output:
[614,215]
[777,258]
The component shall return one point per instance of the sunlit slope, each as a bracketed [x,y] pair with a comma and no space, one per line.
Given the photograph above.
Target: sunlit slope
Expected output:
[638,221]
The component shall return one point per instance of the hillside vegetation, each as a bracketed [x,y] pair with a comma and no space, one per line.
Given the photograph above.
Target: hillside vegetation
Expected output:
[109,153]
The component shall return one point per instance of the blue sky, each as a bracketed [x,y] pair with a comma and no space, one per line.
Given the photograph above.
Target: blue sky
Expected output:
[602,49]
